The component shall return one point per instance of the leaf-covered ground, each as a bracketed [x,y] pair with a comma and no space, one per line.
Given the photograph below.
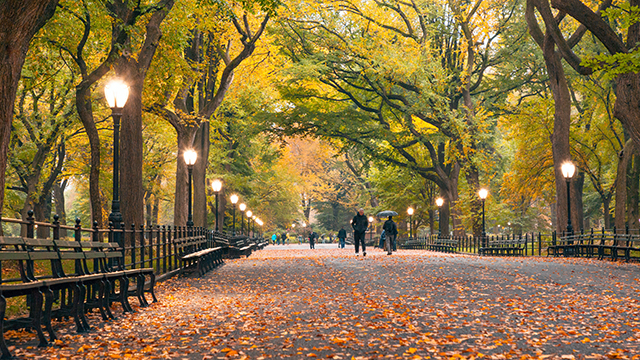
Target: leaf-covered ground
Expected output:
[287,302]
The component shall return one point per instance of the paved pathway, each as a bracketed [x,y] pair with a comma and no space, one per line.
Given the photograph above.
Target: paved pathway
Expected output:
[291,302]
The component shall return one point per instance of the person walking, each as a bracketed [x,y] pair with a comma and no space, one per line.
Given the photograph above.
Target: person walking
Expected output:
[284,238]
[342,237]
[382,237]
[274,239]
[360,223]
[312,238]
[390,230]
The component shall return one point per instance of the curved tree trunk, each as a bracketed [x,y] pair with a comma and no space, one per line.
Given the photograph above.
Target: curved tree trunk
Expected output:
[621,183]
[19,21]
[85,112]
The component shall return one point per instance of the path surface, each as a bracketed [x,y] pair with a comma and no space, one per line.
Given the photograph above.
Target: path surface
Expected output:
[291,302]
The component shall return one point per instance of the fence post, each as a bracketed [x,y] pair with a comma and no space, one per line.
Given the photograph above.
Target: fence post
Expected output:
[133,246]
[170,244]
[539,244]
[164,249]
[77,234]
[142,247]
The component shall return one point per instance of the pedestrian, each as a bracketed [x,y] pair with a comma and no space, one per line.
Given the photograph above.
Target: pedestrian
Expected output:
[342,236]
[360,223]
[391,230]
[274,239]
[312,238]
[382,237]
[284,238]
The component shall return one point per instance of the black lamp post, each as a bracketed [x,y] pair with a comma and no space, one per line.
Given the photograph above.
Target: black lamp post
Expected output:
[483,193]
[116,93]
[190,157]
[217,186]
[371,228]
[410,212]
[249,214]
[242,207]
[568,170]
[234,201]
[439,203]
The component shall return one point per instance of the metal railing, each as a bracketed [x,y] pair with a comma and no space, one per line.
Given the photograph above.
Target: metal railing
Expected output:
[157,247]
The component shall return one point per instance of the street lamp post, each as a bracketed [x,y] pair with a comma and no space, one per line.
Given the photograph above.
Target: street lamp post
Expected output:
[234,200]
[568,170]
[483,193]
[439,203]
[254,224]
[242,207]
[217,186]
[116,93]
[190,157]
[371,228]
[410,212]
[249,214]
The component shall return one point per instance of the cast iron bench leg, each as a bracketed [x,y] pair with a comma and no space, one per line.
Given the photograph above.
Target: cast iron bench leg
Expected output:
[48,304]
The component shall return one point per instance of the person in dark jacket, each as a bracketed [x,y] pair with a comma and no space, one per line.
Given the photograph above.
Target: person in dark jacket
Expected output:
[342,236]
[360,223]
[312,238]
[390,231]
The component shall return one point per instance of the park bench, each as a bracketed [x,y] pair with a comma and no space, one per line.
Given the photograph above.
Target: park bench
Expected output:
[196,256]
[604,245]
[443,245]
[413,244]
[26,253]
[235,246]
[504,247]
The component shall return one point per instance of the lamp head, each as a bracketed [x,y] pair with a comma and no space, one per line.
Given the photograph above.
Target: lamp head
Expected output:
[234,199]
[254,217]
[249,214]
[483,193]
[568,170]
[116,92]
[216,185]
[190,157]
[293,226]
[371,219]
[439,201]
[410,211]
[243,207]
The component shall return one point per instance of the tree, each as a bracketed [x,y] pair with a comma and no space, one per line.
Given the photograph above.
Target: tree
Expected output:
[190,99]
[19,22]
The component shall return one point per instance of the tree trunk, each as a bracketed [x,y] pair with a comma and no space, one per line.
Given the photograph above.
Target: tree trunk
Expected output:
[131,192]
[473,180]
[85,112]
[19,21]
[58,191]
[561,127]
[577,206]
[201,145]
[632,193]
[185,141]
[621,184]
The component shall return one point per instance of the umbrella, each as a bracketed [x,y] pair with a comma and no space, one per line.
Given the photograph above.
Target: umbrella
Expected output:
[387,213]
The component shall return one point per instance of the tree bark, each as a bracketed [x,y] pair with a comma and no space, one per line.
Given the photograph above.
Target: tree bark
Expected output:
[633,197]
[19,22]
[200,185]
[133,70]
[621,184]
[185,141]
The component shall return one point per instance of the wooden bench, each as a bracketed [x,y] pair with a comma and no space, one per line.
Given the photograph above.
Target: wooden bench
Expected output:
[602,244]
[504,247]
[239,246]
[195,255]
[444,245]
[412,244]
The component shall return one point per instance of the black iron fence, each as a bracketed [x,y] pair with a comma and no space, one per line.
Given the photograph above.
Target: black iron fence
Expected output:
[157,247]
[532,243]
